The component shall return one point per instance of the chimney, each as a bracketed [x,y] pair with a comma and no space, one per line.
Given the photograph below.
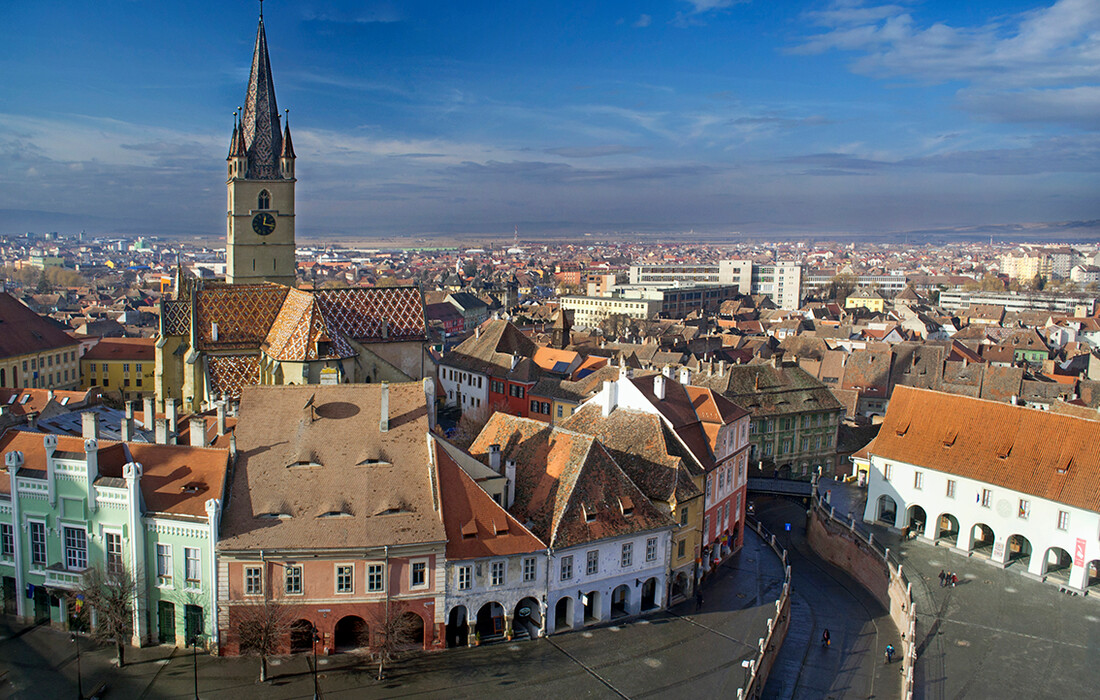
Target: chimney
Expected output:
[1014,400]
[161,433]
[91,458]
[429,399]
[610,398]
[233,446]
[494,458]
[666,371]
[89,424]
[659,387]
[515,361]
[150,412]
[477,331]
[126,429]
[197,431]
[510,474]
[170,416]
[721,367]
[384,409]
[685,376]
[221,417]
[130,410]
[49,394]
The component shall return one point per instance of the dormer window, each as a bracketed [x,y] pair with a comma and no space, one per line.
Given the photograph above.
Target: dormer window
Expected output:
[264,200]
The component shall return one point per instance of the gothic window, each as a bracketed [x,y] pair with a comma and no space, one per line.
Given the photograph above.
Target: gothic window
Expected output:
[264,200]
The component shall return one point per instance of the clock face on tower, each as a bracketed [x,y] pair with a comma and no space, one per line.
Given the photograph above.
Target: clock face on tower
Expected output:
[263,223]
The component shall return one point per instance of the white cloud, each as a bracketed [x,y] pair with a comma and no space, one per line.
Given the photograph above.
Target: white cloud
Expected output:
[643,21]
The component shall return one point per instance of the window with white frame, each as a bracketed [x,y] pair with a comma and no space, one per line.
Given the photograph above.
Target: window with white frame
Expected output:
[1063,520]
[592,566]
[950,488]
[345,578]
[76,548]
[987,498]
[1025,509]
[567,568]
[38,542]
[253,580]
[164,565]
[418,574]
[918,480]
[887,471]
[496,573]
[7,540]
[627,558]
[529,569]
[293,580]
[376,578]
[112,543]
[192,567]
[465,578]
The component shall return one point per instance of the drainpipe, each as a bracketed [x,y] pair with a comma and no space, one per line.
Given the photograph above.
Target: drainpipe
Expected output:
[213,518]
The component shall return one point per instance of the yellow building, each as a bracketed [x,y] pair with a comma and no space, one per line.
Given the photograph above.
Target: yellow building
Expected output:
[120,367]
[34,352]
[867,298]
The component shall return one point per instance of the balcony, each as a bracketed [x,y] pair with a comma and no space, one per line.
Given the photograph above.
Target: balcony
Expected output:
[57,576]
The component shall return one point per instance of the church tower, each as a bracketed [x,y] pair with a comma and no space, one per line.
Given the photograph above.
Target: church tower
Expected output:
[260,185]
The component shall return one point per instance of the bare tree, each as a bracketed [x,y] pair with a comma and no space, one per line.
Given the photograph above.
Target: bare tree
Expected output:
[110,593]
[395,634]
[473,420]
[261,629]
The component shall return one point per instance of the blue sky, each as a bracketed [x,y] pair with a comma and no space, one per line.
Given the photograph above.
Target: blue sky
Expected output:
[431,118]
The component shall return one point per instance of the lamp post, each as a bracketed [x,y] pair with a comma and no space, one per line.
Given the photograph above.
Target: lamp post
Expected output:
[316,687]
[195,660]
[79,681]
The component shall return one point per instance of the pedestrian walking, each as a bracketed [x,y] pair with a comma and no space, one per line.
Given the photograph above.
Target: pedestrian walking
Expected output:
[698,600]
[889,653]
[826,640]
[954,579]
[943,577]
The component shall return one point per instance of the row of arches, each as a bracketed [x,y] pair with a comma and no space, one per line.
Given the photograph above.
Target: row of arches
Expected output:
[981,541]
[492,624]
[352,633]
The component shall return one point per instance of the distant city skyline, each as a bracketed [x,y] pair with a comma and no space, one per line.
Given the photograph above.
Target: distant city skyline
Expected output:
[414,118]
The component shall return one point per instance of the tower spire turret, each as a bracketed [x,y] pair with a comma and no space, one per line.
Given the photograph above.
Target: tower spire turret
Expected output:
[260,119]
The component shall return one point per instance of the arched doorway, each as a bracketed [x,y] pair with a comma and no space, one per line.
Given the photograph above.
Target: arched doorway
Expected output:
[649,594]
[1092,575]
[981,540]
[784,472]
[1019,551]
[620,601]
[1057,564]
[301,636]
[563,614]
[526,619]
[947,530]
[409,631]
[458,627]
[592,608]
[887,510]
[490,622]
[351,633]
[916,518]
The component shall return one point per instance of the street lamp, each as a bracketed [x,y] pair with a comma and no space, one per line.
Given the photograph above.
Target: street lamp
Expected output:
[79,682]
[195,659]
[316,687]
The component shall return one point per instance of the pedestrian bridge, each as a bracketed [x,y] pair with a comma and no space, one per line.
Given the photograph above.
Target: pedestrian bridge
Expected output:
[780,487]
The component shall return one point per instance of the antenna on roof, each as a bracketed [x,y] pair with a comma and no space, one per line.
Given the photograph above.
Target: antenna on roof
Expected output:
[261,9]
[309,405]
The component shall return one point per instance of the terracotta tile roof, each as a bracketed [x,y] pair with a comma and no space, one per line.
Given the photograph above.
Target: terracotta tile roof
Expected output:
[315,471]
[764,390]
[132,349]
[1044,454]
[869,370]
[374,314]
[476,525]
[1001,383]
[24,401]
[22,331]
[568,489]
[490,350]
[917,364]
[176,479]
[243,314]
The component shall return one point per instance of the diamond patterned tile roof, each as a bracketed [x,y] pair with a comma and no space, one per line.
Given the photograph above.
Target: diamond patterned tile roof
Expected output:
[243,313]
[374,313]
[229,373]
[297,330]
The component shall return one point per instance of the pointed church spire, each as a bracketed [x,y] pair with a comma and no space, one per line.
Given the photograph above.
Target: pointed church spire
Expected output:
[260,121]
[288,145]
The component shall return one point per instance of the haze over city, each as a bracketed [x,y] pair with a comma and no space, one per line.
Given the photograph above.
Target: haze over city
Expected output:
[418,119]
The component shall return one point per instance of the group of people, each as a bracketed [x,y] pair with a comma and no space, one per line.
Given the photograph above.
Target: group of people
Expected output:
[948,578]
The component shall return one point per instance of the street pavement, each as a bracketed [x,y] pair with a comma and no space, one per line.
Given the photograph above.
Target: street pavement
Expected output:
[663,656]
[999,633]
[825,597]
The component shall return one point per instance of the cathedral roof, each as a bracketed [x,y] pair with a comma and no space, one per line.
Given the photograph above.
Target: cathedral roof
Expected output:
[260,121]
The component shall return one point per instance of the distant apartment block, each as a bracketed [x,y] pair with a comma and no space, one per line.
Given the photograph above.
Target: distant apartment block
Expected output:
[648,301]
[781,281]
[1015,302]
[815,281]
